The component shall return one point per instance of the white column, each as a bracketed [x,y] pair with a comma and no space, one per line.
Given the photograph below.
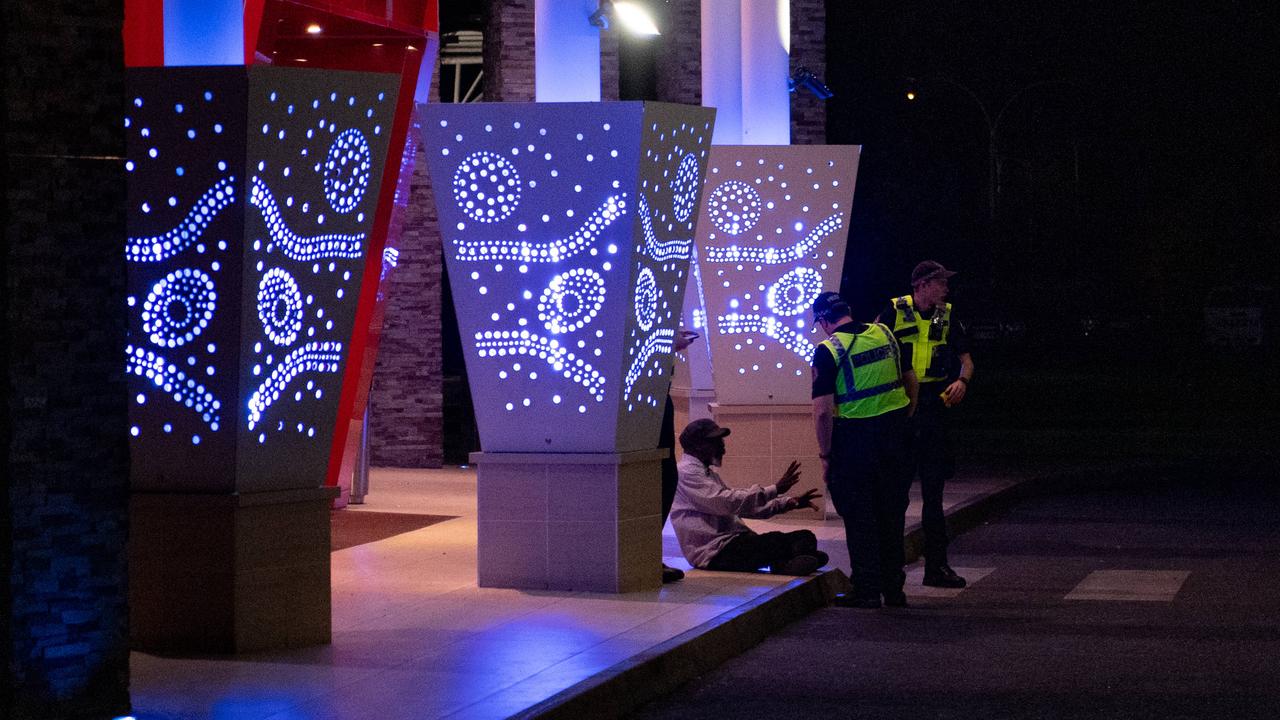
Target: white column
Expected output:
[722,67]
[203,32]
[566,51]
[766,47]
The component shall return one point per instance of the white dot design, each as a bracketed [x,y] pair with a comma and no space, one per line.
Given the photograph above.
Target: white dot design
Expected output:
[768,252]
[486,187]
[179,307]
[346,170]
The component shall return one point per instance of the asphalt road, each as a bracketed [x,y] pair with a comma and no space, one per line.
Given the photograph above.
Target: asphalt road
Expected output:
[1156,597]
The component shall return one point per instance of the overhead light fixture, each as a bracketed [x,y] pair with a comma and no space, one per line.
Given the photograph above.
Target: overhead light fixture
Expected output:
[633,17]
[802,78]
[314,29]
[377,44]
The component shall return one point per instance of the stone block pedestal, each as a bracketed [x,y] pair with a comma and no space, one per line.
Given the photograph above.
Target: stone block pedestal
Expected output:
[229,573]
[765,439]
[570,521]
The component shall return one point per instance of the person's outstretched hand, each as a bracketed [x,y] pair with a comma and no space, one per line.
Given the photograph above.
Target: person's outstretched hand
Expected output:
[684,338]
[790,477]
[806,500]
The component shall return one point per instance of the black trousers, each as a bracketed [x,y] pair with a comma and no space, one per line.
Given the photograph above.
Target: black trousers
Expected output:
[868,484]
[748,552]
[670,475]
[932,459]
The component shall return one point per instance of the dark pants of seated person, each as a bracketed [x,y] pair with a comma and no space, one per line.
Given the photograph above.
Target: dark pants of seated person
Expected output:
[670,474]
[748,552]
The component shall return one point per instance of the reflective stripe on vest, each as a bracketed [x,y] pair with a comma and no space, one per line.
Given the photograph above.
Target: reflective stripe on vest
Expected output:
[925,339]
[868,381]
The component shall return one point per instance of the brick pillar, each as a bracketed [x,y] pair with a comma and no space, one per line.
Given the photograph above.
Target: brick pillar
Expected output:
[808,48]
[508,51]
[609,71]
[679,63]
[406,400]
[63,421]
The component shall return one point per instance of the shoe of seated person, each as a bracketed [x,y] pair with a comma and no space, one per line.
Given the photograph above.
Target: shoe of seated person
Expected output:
[861,602]
[822,557]
[942,576]
[895,599]
[670,574]
[798,565]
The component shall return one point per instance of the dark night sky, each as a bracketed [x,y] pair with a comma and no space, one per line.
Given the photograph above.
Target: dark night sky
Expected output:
[1167,112]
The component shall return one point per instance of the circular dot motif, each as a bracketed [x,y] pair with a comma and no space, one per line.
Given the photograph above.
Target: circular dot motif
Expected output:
[571,300]
[346,171]
[646,300]
[486,187]
[280,306]
[734,207]
[795,292]
[179,307]
[685,187]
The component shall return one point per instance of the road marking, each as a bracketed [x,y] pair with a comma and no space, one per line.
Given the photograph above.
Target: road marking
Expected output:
[1130,585]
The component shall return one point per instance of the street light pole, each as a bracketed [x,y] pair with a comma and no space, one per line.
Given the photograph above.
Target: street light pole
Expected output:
[993,130]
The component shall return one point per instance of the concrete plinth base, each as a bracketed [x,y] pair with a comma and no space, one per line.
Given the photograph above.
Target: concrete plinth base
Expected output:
[229,573]
[570,521]
[690,404]
[765,439]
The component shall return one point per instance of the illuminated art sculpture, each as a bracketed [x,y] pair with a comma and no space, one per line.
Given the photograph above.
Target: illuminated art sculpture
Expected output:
[772,234]
[251,199]
[568,232]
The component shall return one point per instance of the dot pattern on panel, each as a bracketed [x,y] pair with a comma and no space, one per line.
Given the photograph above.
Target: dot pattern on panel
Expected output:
[764,256]
[537,203]
[312,181]
[294,246]
[179,307]
[166,376]
[188,231]
[670,182]
[180,242]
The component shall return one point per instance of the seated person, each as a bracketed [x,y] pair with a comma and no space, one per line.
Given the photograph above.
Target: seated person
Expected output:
[706,513]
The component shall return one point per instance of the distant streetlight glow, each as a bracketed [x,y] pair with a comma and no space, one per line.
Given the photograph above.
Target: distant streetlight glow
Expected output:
[911,95]
[314,29]
[633,17]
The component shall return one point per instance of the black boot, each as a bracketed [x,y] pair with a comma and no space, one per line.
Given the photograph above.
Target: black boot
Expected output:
[941,575]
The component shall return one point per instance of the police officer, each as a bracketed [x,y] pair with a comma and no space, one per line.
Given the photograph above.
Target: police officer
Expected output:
[936,343]
[863,392]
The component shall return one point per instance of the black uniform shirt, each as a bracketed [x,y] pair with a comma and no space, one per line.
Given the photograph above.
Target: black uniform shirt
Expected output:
[824,364]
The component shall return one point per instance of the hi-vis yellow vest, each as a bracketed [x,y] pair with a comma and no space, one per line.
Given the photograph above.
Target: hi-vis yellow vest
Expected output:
[926,340]
[868,380]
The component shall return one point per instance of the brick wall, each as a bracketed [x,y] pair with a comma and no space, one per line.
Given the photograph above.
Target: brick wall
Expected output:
[679,64]
[65,415]
[808,48]
[609,68]
[406,400]
[508,51]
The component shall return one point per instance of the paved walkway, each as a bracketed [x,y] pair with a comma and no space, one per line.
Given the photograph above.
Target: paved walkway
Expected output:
[415,638]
